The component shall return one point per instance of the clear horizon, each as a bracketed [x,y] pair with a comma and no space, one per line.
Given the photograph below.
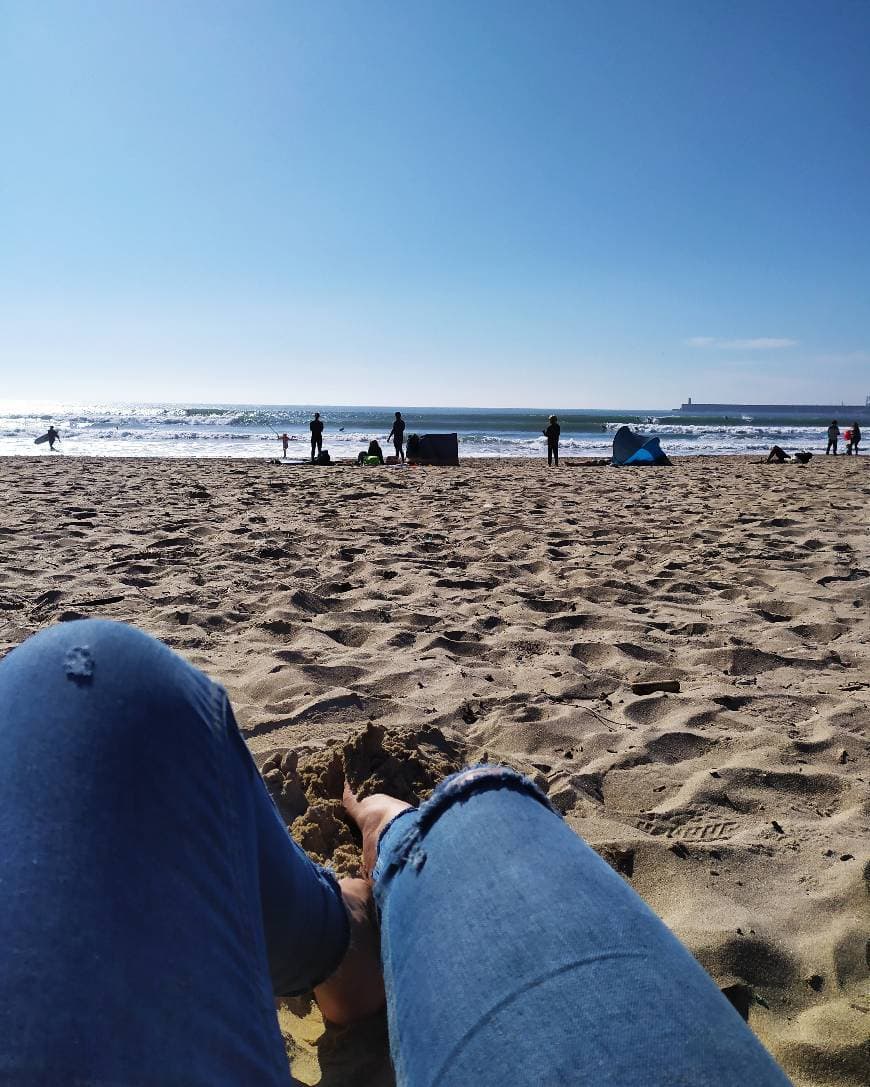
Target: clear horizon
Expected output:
[366,204]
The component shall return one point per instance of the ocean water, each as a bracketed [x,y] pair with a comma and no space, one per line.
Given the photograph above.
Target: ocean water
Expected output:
[250,430]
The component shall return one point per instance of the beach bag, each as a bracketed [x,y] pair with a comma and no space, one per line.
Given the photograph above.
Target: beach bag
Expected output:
[323,457]
[373,461]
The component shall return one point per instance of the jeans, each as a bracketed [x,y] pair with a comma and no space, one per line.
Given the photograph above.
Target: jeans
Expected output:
[153,902]
[513,954]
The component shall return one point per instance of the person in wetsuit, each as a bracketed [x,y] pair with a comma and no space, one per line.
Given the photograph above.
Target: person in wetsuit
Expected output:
[53,436]
[855,439]
[316,428]
[285,441]
[833,435]
[552,434]
[398,436]
[777,455]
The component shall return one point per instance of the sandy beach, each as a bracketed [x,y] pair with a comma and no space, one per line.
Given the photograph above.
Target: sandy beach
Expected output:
[680,656]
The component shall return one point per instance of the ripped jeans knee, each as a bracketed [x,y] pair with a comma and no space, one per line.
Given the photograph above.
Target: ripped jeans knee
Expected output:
[402,842]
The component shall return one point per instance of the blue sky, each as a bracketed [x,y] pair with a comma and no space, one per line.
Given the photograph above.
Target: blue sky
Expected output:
[459,203]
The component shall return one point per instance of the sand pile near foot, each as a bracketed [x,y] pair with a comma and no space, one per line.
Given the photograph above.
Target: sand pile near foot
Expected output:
[307,784]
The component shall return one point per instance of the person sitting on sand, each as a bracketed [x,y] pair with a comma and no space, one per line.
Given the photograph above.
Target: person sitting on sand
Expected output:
[777,454]
[53,436]
[374,450]
[166,901]
[552,433]
[855,440]
[398,436]
[833,435]
[316,428]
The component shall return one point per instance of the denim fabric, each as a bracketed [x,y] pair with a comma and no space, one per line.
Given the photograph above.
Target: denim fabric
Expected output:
[514,955]
[148,888]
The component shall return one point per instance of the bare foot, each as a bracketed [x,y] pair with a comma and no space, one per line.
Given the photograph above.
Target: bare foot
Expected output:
[371,815]
[356,990]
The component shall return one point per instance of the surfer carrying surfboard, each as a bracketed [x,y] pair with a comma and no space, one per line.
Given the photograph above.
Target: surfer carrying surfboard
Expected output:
[51,436]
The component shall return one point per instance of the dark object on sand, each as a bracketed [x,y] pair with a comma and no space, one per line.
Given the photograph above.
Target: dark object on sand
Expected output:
[803,457]
[630,447]
[433,449]
[777,454]
[741,997]
[671,686]
[374,454]
[323,457]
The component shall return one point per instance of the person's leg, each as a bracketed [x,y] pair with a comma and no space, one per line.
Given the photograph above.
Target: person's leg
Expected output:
[513,954]
[149,885]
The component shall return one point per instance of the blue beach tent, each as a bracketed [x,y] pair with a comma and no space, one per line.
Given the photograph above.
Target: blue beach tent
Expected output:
[629,447]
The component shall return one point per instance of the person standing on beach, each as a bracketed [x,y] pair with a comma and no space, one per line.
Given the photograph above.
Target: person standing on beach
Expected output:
[833,435]
[398,436]
[552,434]
[53,436]
[285,441]
[316,428]
[855,439]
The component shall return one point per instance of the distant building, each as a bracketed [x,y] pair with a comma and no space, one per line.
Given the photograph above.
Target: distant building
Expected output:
[831,410]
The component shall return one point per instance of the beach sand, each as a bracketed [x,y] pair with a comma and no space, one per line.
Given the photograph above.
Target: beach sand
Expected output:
[514,611]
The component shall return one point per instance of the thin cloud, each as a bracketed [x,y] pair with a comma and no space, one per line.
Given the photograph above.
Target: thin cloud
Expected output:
[759,343]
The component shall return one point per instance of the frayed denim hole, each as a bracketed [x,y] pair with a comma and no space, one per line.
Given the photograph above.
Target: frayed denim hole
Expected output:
[386,867]
[455,788]
[78,664]
[462,785]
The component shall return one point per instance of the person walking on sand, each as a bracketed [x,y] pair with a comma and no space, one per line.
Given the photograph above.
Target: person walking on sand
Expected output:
[833,435]
[855,439]
[552,434]
[316,428]
[285,441]
[53,436]
[398,436]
